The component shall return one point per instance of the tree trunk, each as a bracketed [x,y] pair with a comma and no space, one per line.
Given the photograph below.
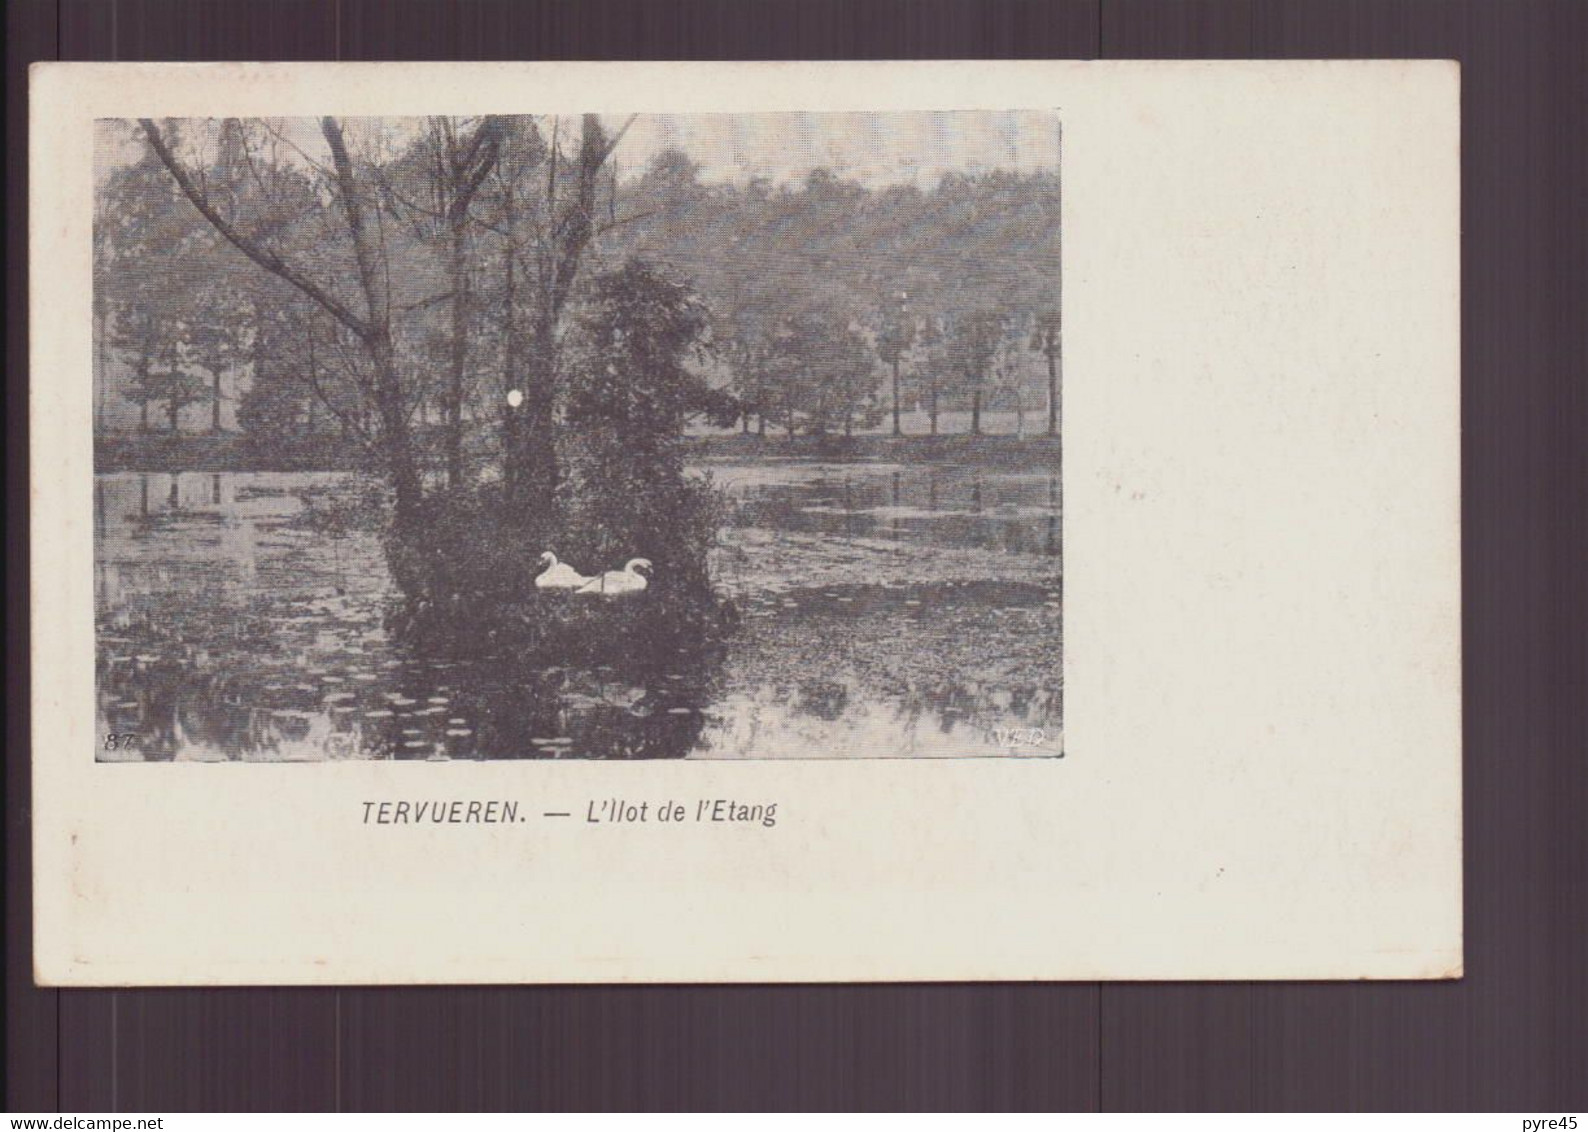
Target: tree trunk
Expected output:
[1053,388]
[538,440]
[897,431]
[512,362]
[143,415]
[100,373]
[460,355]
[760,425]
[975,413]
[932,412]
[745,421]
[215,400]
[396,442]
[533,469]
[536,473]
[173,410]
[373,329]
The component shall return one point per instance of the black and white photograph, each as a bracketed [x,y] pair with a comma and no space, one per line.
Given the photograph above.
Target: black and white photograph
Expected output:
[590,436]
[745,523]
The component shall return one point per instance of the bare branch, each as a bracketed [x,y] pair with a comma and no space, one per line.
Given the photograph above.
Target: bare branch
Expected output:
[369,273]
[617,137]
[348,422]
[431,301]
[622,220]
[467,180]
[263,256]
[295,147]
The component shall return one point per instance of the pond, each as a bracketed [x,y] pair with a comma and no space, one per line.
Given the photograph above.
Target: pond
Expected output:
[886,611]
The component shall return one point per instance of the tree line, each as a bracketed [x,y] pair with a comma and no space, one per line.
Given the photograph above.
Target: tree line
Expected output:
[416,287]
[835,304]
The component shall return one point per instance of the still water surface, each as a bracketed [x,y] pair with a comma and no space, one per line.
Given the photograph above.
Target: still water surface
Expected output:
[898,611]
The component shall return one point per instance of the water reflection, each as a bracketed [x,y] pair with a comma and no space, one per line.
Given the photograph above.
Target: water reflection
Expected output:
[935,504]
[228,629]
[179,707]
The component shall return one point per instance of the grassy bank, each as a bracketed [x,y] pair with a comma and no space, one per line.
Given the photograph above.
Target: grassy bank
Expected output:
[223,452]
[234,452]
[1014,453]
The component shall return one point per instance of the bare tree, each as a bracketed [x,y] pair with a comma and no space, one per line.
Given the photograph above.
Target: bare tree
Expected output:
[1045,341]
[138,334]
[216,331]
[451,163]
[973,344]
[371,325]
[1009,372]
[561,234]
[894,339]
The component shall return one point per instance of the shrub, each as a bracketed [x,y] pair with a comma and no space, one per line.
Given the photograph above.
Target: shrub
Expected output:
[467,567]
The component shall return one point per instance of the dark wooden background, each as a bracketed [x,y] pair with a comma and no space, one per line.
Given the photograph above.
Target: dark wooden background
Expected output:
[1511,1036]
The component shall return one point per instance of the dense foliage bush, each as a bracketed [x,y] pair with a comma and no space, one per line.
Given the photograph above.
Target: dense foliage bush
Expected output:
[467,568]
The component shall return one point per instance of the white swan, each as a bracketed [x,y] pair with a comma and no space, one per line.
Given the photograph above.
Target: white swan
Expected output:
[558,575]
[615,582]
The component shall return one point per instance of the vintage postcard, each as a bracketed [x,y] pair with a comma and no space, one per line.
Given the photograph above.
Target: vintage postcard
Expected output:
[745,522]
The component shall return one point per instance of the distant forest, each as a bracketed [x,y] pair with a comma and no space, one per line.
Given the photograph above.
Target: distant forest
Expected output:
[423,274]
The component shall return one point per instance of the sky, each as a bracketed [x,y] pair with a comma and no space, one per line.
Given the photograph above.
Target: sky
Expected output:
[875,149]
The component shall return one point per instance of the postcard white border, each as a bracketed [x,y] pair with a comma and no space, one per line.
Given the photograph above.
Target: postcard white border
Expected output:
[1262,655]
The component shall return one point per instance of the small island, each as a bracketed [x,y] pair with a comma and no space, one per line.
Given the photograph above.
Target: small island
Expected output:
[357,380]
